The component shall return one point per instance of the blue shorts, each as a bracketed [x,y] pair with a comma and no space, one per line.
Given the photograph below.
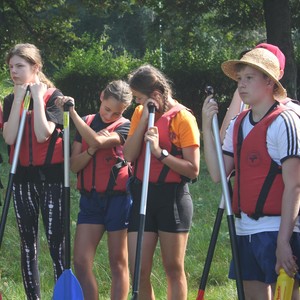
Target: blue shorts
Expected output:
[257,256]
[110,211]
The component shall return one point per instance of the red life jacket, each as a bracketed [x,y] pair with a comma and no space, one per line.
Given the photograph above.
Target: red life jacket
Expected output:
[33,153]
[107,170]
[258,186]
[159,172]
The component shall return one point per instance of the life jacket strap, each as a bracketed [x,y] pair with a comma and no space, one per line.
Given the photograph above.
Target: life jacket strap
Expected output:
[269,180]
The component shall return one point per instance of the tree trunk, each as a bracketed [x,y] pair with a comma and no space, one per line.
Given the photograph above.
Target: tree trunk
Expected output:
[278,25]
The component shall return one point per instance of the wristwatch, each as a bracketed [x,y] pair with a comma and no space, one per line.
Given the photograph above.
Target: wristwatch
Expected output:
[164,153]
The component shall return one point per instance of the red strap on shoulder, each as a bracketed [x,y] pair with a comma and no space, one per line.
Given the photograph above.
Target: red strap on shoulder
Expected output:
[49,93]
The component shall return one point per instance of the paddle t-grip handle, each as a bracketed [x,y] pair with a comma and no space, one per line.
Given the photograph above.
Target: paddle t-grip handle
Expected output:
[151,107]
[67,105]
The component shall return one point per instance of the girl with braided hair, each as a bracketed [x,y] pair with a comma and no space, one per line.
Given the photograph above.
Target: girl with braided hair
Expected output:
[174,143]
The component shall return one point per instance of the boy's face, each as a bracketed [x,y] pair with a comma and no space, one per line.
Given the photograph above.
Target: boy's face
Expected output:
[253,85]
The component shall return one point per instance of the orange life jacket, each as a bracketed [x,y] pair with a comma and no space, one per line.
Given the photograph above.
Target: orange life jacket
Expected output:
[33,153]
[107,170]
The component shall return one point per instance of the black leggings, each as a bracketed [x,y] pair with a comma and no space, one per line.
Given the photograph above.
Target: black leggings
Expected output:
[28,199]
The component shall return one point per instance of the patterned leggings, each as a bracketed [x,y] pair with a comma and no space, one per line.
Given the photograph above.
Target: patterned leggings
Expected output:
[29,198]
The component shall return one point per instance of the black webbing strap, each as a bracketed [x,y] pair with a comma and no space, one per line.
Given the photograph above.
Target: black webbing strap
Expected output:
[269,180]
[114,174]
[30,140]
[81,180]
[54,137]
[165,170]
[163,174]
[238,167]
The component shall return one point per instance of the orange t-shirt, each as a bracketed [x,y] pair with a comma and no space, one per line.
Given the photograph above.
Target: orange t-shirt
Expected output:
[184,131]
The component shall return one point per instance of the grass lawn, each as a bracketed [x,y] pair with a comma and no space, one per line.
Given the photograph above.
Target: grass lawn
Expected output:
[206,197]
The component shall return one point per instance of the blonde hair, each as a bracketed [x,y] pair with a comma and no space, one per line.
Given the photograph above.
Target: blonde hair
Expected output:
[31,54]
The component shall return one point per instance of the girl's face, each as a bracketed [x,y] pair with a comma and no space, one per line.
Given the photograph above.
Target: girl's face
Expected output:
[155,96]
[253,86]
[139,97]
[21,71]
[111,109]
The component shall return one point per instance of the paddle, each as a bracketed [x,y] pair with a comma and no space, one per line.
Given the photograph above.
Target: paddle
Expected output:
[137,267]
[67,286]
[14,164]
[227,199]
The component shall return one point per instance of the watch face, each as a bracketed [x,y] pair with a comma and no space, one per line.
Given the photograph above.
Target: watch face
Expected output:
[165,152]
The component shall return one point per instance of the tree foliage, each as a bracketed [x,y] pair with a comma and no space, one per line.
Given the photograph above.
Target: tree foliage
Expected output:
[182,36]
[86,72]
[48,24]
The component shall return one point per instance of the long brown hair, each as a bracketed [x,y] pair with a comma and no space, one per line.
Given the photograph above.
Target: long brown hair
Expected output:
[31,54]
[146,79]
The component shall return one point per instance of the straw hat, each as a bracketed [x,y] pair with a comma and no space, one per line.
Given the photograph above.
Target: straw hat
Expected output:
[262,60]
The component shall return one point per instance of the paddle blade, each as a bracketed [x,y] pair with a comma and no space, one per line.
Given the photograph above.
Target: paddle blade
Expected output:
[67,287]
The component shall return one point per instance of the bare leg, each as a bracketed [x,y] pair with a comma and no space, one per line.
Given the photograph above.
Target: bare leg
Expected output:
[256,290]
[87,238]
[296,292]
[118,258]
[173,247]
[149,243]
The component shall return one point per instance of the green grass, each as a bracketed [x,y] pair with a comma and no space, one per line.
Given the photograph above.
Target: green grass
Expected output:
[206,196]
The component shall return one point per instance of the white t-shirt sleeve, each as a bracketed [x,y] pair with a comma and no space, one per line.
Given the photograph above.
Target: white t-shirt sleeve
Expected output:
[227,145]
[283,137]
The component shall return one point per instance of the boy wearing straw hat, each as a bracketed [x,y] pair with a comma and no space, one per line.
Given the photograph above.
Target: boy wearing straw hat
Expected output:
[262,144]
[237,104]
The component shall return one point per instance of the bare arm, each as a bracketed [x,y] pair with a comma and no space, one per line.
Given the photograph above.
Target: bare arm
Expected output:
[94,140]
[290,209]
[208,111]
[233,110]
[11,127]
[42,127]
[79,160]
[100,140]
[134,142]
[187,166]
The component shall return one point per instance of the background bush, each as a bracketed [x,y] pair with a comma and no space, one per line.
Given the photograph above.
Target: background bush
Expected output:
[86,72]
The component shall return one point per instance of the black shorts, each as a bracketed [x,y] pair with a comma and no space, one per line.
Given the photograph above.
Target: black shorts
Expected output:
[169,207]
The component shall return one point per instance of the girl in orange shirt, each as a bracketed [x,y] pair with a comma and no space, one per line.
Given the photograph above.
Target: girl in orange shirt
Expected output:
[174,143]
